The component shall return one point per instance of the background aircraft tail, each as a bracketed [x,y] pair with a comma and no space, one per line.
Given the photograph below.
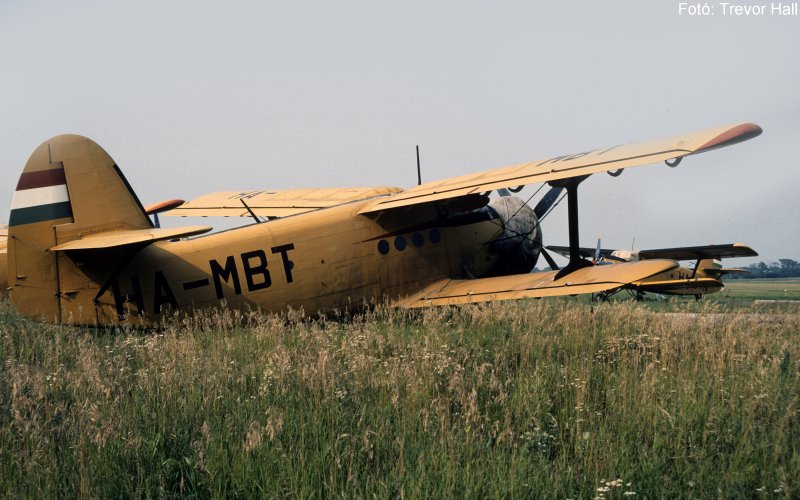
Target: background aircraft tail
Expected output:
[708,268]
[712,268]
[70,188]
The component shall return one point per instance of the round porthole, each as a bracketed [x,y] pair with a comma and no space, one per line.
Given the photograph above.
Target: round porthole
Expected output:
[417,240]
[383,247]
[400,243]
[435,236]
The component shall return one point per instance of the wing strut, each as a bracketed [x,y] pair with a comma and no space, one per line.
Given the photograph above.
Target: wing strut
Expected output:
[696,267]
[575,260]
[129,252]
[252,214]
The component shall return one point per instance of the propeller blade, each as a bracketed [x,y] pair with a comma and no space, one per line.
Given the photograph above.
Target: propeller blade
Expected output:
[549,260]
[547,201]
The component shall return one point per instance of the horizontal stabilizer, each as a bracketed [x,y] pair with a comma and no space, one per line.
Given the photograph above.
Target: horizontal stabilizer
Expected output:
[113,239]
[591,279]
[734,270]
[273,203]
[729,270]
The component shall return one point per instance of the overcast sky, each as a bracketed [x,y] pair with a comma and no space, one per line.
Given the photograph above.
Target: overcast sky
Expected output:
[191,97]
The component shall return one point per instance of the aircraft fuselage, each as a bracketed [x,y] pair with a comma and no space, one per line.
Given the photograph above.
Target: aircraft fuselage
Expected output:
[319,261]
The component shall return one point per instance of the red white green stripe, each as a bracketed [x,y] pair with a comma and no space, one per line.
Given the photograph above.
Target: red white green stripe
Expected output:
[40,196]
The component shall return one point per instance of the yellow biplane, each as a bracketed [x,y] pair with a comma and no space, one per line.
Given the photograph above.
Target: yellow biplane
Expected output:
[705,277]
[83,250]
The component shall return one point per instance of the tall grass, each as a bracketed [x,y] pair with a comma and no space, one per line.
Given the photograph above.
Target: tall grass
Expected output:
[515,399]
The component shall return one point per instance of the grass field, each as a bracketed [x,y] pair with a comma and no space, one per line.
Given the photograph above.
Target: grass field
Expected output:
[555,398]
[742,290]
[743,294]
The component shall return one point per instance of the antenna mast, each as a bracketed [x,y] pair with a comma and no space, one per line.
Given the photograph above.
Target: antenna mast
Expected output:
[419,172]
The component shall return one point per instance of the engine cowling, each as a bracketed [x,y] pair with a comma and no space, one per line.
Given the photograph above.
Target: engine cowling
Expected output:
[520,241]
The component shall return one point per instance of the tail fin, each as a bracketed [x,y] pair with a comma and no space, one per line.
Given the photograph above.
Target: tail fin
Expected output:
[69,188]
[712,268]
[708,268]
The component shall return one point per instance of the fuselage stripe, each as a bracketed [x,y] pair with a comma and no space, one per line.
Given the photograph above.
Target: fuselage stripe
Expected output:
[42,178]
[40,213]
[40,196]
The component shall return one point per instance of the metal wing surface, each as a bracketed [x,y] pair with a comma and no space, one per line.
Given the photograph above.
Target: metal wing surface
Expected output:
[568,166]
[699,252]
[274,203]
[672,286]
[535,285]
[112,239]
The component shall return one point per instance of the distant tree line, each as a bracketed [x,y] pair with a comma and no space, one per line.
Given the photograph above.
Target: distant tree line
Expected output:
[783,268]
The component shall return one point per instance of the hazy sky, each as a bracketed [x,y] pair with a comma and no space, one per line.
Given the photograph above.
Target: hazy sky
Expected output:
[191,97]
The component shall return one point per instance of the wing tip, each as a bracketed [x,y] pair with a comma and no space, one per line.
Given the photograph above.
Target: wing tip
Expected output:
[157,208]
[734,135]
[745,250]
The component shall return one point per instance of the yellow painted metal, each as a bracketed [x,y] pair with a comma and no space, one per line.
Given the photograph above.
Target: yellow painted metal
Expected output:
[680,280]
[572,165]
[274,203]
[124,237]
[689,286]
[592,279]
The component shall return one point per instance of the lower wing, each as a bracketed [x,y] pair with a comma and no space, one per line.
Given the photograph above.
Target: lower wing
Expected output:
[679,287]
[535,285]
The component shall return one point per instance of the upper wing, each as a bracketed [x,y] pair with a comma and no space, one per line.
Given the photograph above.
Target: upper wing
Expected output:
[573,165]
[700,252]
[276,203]
[542,284]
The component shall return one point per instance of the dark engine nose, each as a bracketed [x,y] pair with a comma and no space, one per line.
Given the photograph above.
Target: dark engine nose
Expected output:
[520,241]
